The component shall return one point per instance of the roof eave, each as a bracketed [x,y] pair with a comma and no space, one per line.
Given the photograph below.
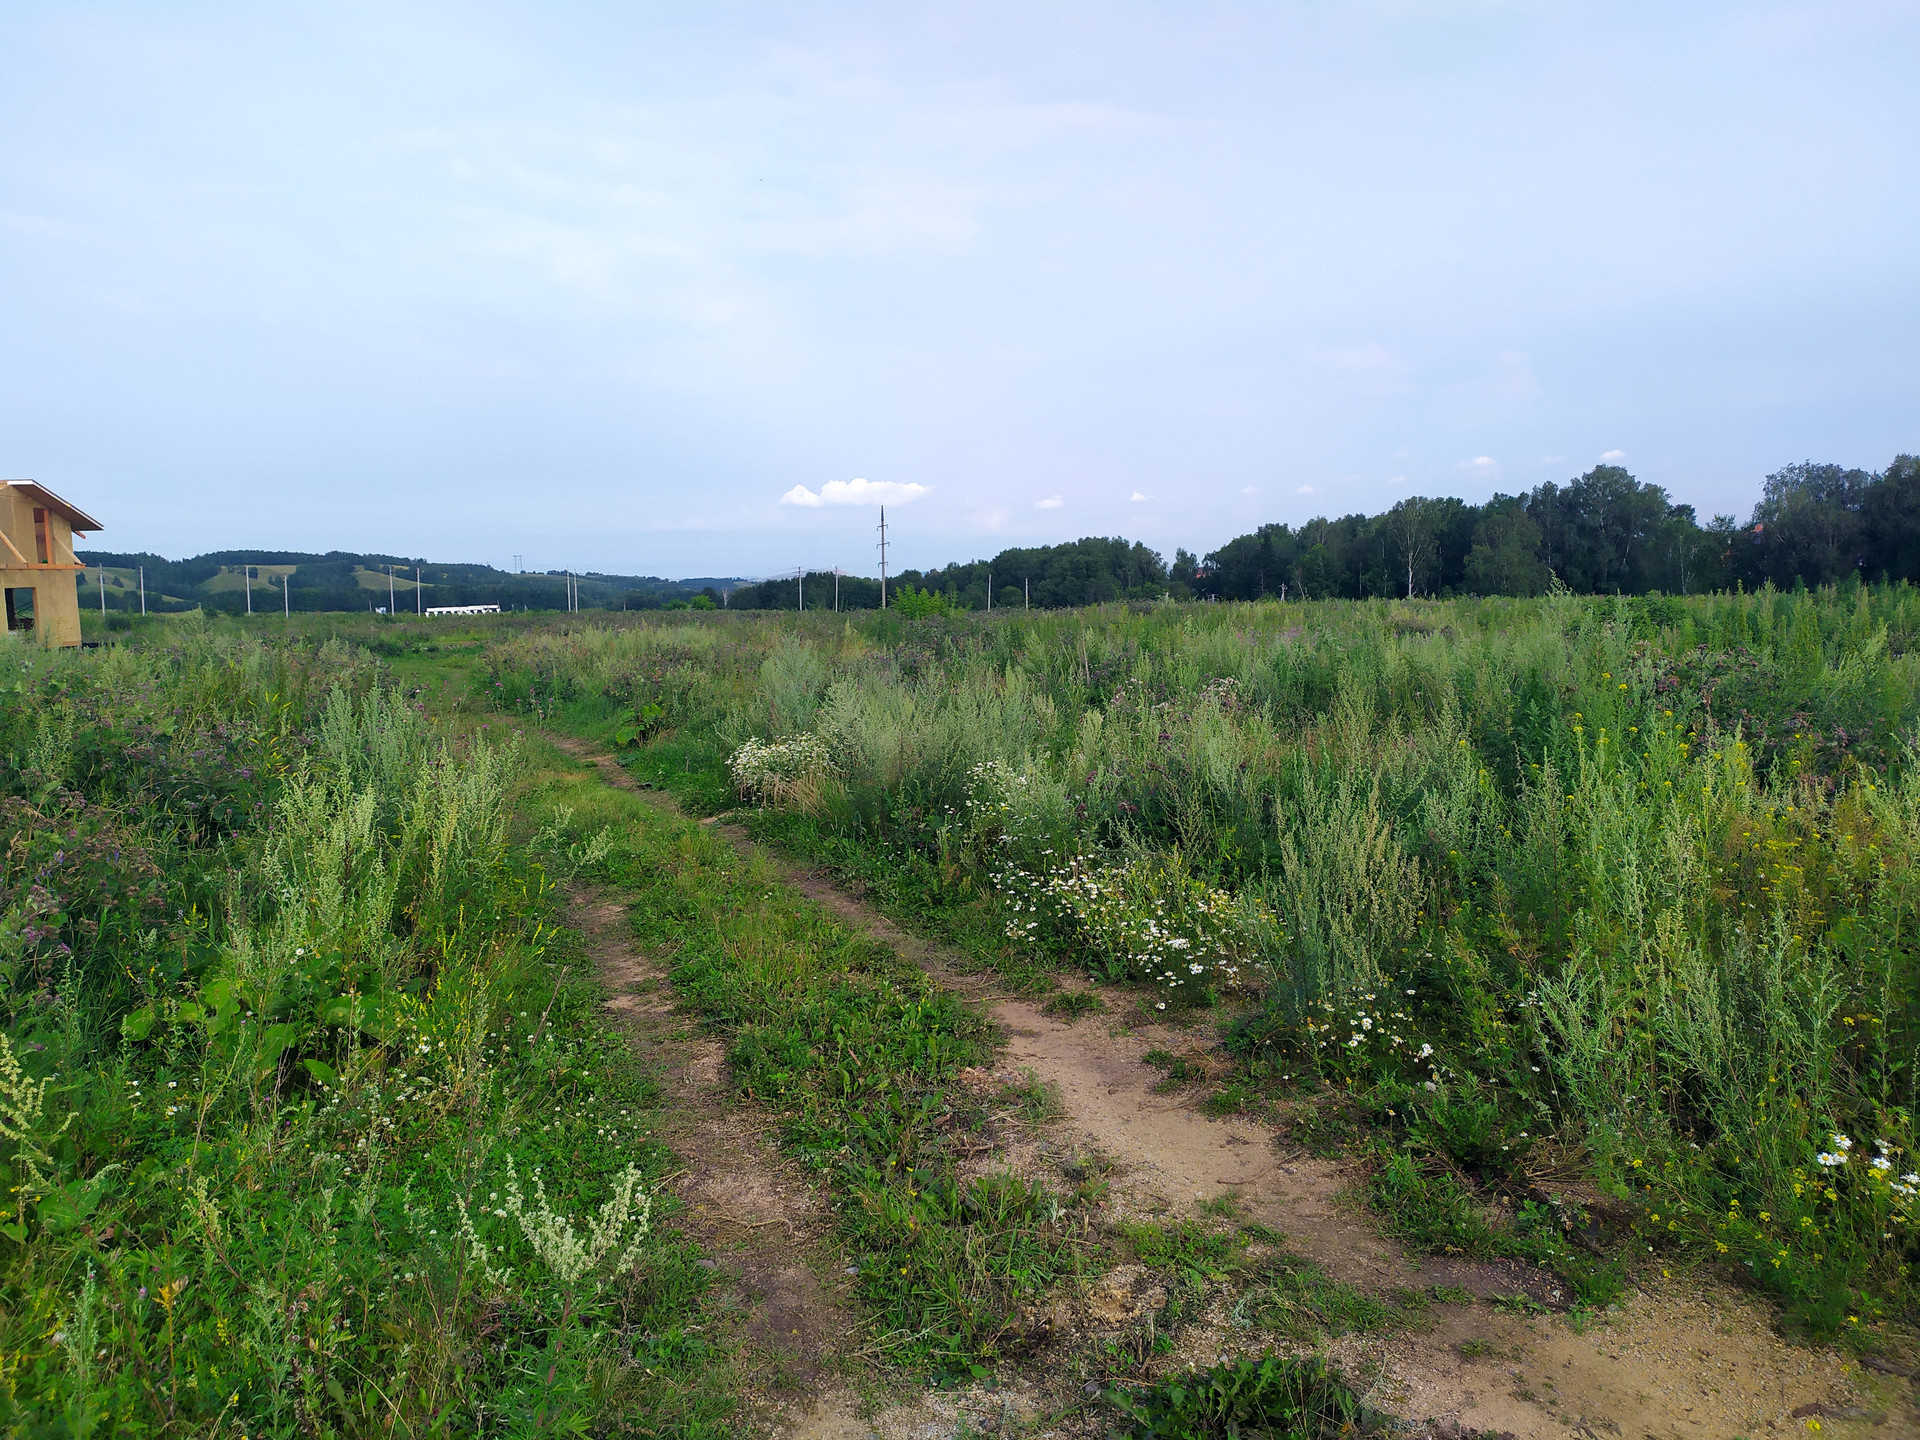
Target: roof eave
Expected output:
[77,519]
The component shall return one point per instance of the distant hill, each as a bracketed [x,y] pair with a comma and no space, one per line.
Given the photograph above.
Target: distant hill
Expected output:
[342,580]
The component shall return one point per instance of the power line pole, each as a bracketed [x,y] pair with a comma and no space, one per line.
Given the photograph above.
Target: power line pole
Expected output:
[800,574]
[1026,589]
[836,589]
[286,595]
[143,589]
[883,557]
[103,592]
[247,571]
[989,592]
[390,605]
[417,601]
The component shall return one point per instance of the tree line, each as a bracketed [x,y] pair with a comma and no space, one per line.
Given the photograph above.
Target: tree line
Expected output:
[1079,572]
[1602,533]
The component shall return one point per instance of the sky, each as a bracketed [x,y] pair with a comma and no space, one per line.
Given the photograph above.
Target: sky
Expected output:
[691,289]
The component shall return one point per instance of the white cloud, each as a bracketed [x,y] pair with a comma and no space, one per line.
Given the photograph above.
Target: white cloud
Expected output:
[1136,496]
[1612,455]
[1246,489]
[856,492]
[1307,490]
[1552,459]
[1052,502]
[1396,480]
[1480,465]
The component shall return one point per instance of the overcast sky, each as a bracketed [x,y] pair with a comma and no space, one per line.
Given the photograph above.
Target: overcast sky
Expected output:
[600,285]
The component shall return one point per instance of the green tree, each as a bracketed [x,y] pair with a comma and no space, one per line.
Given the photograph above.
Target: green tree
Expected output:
[1505,558]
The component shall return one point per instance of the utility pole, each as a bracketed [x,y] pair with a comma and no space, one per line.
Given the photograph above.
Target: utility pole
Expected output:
[286,595]
[143,589]
[989,592]
[418,603]
[1026,589]
[247,571]
[103,592]
[801,575]
[390,606]
[883,557]
[836,589]
[518,568]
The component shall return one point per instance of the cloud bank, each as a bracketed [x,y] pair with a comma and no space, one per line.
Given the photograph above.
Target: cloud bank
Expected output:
[856,492]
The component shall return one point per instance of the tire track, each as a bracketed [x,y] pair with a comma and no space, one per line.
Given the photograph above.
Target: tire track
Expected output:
[1674,1359]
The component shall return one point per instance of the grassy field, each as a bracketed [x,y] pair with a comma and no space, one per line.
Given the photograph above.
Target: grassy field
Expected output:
[1585,927]
[309,1121]
[1603,909]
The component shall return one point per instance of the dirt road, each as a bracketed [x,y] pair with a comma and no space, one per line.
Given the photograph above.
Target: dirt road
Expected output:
[1678,1357]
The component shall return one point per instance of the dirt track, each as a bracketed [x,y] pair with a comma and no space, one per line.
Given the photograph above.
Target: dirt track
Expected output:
[1679,1357]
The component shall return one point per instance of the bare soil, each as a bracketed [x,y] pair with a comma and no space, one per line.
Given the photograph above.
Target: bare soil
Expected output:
[1680,1356]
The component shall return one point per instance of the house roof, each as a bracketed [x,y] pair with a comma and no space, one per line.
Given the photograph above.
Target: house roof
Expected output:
[76,517]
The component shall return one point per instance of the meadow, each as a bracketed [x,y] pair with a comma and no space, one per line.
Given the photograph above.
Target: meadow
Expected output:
[1585,928]
[1588,924]
[308,1122]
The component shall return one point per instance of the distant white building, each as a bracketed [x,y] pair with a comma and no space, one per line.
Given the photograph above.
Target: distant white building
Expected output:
[463,610]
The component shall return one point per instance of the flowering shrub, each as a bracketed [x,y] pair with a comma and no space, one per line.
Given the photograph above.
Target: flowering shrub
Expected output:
[1016,817]
[1365,1036]
[1147,919]
[771,771]
[575,1262]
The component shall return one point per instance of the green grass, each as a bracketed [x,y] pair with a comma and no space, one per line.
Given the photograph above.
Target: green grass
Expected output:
[288,1016]
[1280,1398]
[1071,1005]
[853,1050]
[1295,1298]
[1628,879]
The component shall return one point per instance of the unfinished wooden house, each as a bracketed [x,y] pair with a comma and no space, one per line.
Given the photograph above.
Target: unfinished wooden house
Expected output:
[37,563]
